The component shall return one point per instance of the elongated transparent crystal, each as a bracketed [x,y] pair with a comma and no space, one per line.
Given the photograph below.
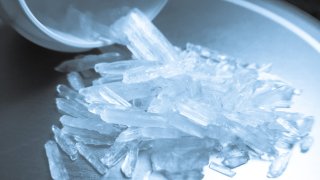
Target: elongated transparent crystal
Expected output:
[94,141]
[65,142]
[73,108]
[114,154]
[68,93]
[279,165]
[234,162]
[85,135]
[185,125]
[133,118]
[56,165]
[177,161]
[108,79]
[130,161]
[119,67]
[199,115]
[91,158]
[75,80]
[149,133]
[141,38]
[113,98]
[135,91]
[86,62]
[221,169]
[90,124]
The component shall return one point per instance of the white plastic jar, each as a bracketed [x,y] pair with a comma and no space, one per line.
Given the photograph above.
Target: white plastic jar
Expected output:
[70,25]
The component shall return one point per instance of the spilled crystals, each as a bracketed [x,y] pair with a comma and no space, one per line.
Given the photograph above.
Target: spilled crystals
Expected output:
[183,109]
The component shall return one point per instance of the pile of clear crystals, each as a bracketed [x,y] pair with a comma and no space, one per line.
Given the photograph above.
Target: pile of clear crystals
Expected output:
[181,108]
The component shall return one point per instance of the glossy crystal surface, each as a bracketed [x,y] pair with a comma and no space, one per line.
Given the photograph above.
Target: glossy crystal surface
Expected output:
[184,108]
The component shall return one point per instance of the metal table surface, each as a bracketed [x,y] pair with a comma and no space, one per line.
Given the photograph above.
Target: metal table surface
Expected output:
[27,78]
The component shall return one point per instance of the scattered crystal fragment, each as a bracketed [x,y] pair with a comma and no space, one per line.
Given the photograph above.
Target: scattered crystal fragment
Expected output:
[91,158]
[279,165]
[65,142]
[221,169]
[86,62]
[305,144]
[56,165]
[75,80]
[130,161]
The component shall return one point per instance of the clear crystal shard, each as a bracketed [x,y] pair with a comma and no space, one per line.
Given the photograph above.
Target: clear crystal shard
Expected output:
[114,154]
[73,108]
[56,165]
[222,169]
[119,67]
[235,155]
[142,38]
[75,80]
[91,158]
[86,62]
[196,112]
[67,93]
[234,162]
[90,124]
[279,165]
[132,118]
[135,91]
[94,141]
[86,135]
[113,98]
[130,161]
[177,161]
[91,94]
[107,78]
[149,133]
[65,142]
[185,125]
[306,143]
